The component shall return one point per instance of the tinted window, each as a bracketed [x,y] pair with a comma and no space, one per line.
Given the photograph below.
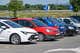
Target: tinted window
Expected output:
[67,21]
[1,24]
[54,20]
[13,24]
[74,20]
[39,23]
[24,23]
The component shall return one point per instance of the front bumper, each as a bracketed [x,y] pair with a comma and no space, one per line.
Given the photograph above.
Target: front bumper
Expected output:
[57,36]
[33,38]
[78,30]
[70,32]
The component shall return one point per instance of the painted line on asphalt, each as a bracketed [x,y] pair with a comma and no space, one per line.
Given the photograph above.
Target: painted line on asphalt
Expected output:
[76,50]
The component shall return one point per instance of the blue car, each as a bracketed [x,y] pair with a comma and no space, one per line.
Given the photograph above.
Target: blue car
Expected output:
[70,28]
[50,21]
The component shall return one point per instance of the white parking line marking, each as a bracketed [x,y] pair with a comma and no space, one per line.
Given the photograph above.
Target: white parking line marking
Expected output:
[76,50]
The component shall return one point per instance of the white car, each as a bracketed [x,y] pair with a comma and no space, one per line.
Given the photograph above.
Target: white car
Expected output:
[73,21]
[15,33]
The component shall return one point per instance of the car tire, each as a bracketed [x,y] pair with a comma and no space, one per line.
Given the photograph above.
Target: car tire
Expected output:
[15,39]
[41,37]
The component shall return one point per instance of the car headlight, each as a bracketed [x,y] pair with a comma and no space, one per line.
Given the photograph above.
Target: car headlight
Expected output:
[71,27]
[28,32]
[77,29]
[24,32]
[48,30]
[61,27]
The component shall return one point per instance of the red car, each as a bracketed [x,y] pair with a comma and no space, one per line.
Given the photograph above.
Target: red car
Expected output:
[44,31]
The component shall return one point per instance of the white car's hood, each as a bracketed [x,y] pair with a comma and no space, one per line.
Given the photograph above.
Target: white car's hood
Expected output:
[25,29]
[77,24]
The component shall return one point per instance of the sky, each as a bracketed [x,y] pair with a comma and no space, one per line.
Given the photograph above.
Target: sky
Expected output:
[33,2]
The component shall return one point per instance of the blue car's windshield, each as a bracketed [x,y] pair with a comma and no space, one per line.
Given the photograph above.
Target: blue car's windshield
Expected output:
[47,21]
[13,24]
[39,23]
[54,20]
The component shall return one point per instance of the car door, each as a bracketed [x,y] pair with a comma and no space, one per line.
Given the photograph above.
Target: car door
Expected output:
[3,33]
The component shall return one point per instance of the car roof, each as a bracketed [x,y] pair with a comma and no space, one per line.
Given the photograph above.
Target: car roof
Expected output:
[23,18]
[1,20]
[65,18]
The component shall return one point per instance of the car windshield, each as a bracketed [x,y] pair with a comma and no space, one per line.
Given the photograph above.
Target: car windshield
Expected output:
[67,21]
[74,20]
[39,23]
[13,24]
[54,20]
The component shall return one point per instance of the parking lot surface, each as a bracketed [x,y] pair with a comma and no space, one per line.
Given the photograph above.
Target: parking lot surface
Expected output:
[64,45]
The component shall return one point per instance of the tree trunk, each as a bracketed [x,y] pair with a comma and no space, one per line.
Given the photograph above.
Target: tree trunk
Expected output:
[15,14]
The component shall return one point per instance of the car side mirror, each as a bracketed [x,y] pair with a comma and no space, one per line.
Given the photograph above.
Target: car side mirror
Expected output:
[3,27]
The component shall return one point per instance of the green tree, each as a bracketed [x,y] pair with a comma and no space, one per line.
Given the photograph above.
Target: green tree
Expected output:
[34,7]
[15,5]
[58,7]
[27,6]
[75,4]
[51,6]
[39,7]
[3,7]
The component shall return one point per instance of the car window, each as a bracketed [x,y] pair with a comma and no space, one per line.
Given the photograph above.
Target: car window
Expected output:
[53,20]
[13,24]
[67,21]
[1,24]
[24,23]
[75,20]
[39,23]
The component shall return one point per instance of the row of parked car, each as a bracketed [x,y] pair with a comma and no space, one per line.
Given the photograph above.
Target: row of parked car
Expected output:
[17,30]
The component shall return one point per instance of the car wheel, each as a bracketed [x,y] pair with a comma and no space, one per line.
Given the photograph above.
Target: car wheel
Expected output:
[15,39]
[41,37]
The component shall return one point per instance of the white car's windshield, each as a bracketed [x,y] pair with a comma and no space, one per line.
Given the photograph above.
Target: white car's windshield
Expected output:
[74,20]
[13,24]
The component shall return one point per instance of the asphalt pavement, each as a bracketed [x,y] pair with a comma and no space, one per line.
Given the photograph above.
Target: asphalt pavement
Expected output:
[64,45]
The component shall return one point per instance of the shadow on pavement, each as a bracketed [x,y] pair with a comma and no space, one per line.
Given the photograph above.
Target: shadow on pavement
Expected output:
[26,43]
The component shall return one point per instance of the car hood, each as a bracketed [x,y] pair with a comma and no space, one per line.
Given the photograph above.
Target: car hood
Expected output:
[26,29]
[77,24]
[51,28]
